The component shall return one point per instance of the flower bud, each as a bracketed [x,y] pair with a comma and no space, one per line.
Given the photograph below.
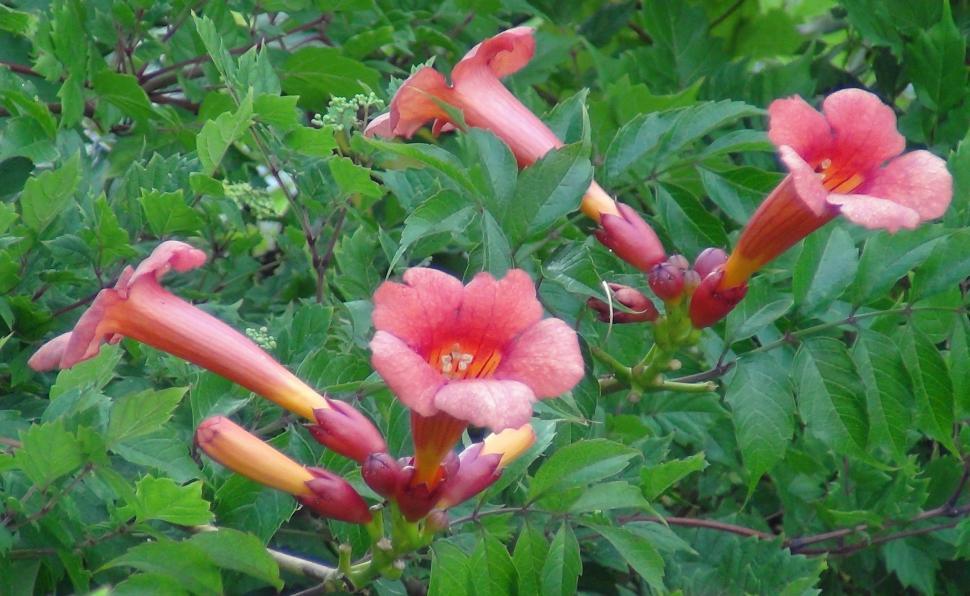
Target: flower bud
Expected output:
[382,473]
[709,260]
[641,306]
[415,500]
[692,279]
[476,472]
[437,521]
[335,498]
[344,429]
[667,281]
[631,238]
[511,443]
[709,304]
[679,261]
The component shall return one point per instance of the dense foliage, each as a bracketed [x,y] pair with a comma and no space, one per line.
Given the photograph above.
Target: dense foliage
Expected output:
[817,439]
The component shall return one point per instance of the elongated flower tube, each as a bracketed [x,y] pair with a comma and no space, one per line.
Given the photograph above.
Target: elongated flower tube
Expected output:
[484,102]
[481,464]
[140,308]
[344,429]
[845,160]
[479,354]
[245,454]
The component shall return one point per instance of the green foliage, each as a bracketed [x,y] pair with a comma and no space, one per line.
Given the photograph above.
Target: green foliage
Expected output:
[840,390]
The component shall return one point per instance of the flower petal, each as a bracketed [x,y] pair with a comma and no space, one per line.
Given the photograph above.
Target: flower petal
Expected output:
[919,180]
[491,403]
[792,122]
[407,374]
[808,185]
[503,54]
[864,128]
[48,356]
[168,255]
[414,103]
[92,330]
[875,213]
[380,127]
[546,357]
[494,311]
[421,310]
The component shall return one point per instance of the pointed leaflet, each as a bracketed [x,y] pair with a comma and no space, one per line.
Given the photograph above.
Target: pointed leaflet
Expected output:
[888,391]
[529,556]
[491,572]
[449,570]
[831,397]
[217,135]
[580,463]
[959,362]
[637,552]
[235,550]
[931,385]
[761,400]
[825,268]
[563,566]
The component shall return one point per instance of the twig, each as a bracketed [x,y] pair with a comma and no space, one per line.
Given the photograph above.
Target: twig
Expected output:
[289,562]
[730,10]
[21,68]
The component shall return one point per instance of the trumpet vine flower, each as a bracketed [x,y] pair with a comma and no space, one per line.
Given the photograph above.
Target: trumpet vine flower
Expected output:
[478,93]
[848,160]
[140,308]
[456,355]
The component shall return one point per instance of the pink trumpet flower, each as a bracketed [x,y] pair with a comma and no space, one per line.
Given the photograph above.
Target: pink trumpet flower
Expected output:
[245,454]
[140,308]
[484,102]
[481,464]
[845,160]
[456,355]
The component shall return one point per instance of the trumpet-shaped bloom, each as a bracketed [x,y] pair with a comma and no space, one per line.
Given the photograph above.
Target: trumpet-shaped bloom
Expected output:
[325,492]
[140,308]
[479,354]
[476,90]
[845,160]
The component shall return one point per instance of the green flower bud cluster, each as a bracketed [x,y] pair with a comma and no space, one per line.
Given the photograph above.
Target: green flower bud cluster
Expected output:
[262,337]
[258,200]
[347,113]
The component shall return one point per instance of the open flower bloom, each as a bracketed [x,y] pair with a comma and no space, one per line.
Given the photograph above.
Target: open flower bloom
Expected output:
[140,308]
[245,454]
[845,160]
[485,103]
[479,354]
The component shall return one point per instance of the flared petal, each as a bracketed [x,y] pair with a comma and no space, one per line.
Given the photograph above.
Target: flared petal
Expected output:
[495,311]
[808,184]
[421,310]
[875,213]
[92,329]
[380,127]
[503,54]
[168,255]
[490,403]
[49,356]
[546,358]
[918,180]
[794,123]
[406,373]
[864,129]
[416,102]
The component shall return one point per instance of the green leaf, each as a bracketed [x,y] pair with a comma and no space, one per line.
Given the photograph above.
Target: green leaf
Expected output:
[582,462]
[167,213]
[913,563]
[935,63]
[655,480]
[235,550]
[831,397]
[214,46]
[496,251]
[353,179]
[607,496]
[449,570]
[931,385]
[689,224]
[529,557]
[959,365]
[17,22]
[431,156]
[637,552]
[48,194]
[317,74]
[183,562]
[47,452]
[946,267]
[142,413]
[147,584]
[217,135]
[443,212]
[888,257]
[279,112]
[761,307]
[563,565]
[825,268]
[165,453]
[888,393]
[315,142]
[124,92]
[491,571]
[162,498]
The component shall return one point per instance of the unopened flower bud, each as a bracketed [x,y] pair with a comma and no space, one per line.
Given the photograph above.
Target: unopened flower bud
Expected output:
[691,280]
[437,521]
[667,281]
[335,498]
[709,260]
[344,429]
[476,472]
[709,304]
[415,500]
[511,443]
[641,306]
[382,473]
[631,238]
[679,261]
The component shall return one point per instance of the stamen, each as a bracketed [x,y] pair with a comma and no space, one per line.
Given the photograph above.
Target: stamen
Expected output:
[463,361]
[446,363]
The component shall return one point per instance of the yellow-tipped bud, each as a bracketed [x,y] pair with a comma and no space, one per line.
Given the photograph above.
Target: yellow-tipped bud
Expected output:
[511,443]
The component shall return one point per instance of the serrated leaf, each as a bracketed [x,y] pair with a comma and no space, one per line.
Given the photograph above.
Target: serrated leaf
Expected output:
[217,135]
[959,365]
[691,226]
[529,557]
[235,550]
[167,213]
[353,179]
[579,463]
[831,397]
[184,562]
[315,142]
[48,194]
[935,63]
[607,496]
[316,74]
[931,385]
[279,112]
[142,413]
[888,392]
[563,565]
[124,92]
[654,480]
[443,212]
[430,155]
[637,551]
[946,267]
[825,268]
[761,307]
[886,258]
[47,452]
[449,570]
[162,498]
[491,572]
[17,22]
